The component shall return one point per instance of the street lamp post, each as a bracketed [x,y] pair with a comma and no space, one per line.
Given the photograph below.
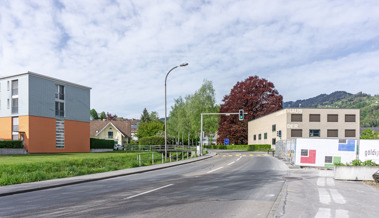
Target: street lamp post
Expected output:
[165,109]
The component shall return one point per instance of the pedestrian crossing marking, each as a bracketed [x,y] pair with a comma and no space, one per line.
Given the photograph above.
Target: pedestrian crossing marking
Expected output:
[244,155]
[230,155]
[251,155]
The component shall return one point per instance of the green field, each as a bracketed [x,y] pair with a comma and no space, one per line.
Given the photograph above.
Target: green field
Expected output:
[15,169]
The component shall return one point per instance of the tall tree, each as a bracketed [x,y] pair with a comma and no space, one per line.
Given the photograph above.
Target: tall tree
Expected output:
[111,117]
[102,116]
[94,114]
[145,117]
[148,129]
[154,116]
[255,96]
[185,115]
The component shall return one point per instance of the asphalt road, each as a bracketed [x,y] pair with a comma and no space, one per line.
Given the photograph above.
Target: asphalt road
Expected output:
[233,184]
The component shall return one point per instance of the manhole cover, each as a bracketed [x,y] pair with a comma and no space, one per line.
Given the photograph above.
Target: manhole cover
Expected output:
[293,178]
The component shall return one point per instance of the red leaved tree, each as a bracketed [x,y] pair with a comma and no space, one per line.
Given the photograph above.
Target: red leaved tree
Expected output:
[255,96]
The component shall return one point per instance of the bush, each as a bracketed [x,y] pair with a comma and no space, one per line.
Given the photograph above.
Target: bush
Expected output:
[11,144]
[101,143]
[358,163]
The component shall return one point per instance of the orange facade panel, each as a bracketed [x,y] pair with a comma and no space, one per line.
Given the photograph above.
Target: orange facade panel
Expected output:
[42,136]
[6,128]
[77,137]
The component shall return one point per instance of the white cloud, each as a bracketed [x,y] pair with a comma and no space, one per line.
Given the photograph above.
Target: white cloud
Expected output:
[123,49]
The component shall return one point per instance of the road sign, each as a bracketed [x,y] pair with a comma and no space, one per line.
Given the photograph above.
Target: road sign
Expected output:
[226,141]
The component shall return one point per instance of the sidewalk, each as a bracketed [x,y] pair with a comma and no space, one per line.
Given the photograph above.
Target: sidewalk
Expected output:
[34,186]
[315,193]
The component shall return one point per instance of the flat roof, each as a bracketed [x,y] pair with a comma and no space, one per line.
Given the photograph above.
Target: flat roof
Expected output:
[46,77]
[303,108]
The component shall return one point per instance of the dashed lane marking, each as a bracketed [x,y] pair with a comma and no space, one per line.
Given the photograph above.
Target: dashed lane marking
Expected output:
[143,193]
[215,169]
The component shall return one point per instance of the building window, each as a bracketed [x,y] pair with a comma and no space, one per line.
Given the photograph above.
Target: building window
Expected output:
[296,133]
[8,104]
[14,87]
[274,141]
[332,117]
[349,117]
[296,118]
[329,159]
[304,152]
[274,127]
[314,133]
[59,109]
[8,86]
[349,132]
[14,128]
[260,136]
[110,135]
[14,105]
[332,133]
[60,92]
[314,117]
[265,135]
[255,137]
[59,134]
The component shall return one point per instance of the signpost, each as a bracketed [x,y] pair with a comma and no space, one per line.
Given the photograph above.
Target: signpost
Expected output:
[226,141]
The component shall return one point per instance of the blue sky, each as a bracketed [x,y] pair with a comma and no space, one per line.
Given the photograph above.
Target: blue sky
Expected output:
[123,48]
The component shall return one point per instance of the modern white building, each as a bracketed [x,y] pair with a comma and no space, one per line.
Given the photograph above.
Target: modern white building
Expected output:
[291,123]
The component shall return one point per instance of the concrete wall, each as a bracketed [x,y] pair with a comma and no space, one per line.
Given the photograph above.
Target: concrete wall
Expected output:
[318,149]
[12,151]
[354,172]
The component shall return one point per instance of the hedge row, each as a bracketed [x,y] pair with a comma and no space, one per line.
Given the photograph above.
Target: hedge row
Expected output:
[101,143]
[155,140]
[240,147]
[11,144]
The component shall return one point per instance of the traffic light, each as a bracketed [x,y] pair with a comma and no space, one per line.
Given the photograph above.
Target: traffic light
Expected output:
[241,114]
[280,133]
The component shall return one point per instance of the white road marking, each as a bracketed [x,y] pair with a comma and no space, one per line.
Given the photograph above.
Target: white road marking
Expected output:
[143,193]
[330,181]
[215,169]
[324,196]
[321,181]
[337,197]
[231,163]
[342,213]
[323,213]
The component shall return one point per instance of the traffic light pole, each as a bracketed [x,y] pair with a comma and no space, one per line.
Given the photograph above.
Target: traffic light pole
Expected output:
[201,131]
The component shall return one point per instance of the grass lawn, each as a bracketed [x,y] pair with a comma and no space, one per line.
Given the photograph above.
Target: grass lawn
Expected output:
[15,169]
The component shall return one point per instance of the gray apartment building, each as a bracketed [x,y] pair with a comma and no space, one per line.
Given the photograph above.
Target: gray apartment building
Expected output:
[49,115]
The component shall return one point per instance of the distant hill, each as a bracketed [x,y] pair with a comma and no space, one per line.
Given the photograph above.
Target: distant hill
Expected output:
[314,102]
[368,104]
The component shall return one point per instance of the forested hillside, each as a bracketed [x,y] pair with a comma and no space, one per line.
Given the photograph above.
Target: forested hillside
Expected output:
[368,104]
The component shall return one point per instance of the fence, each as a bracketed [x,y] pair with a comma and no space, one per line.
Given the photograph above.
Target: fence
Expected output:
[285,149]
[153,157]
